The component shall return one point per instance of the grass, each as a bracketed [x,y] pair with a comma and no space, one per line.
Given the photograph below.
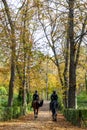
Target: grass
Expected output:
[82,100]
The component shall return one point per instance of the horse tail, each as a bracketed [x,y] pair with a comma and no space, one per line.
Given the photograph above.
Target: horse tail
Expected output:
[41,103]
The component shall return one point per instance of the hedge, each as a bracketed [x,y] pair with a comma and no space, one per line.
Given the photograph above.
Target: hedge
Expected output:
[76,116]
[8,113]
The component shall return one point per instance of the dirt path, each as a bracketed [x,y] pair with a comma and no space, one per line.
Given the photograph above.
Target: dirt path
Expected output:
[43,122]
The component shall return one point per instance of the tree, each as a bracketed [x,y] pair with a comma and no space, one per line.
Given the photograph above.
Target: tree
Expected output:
[74,54]
[63,31]
[13,46]
[52,20]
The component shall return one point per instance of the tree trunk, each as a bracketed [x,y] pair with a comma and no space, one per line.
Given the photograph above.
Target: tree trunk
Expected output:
[13,45]
[72,67]
[28,78]
[65,74]
[24,59]
[11,83]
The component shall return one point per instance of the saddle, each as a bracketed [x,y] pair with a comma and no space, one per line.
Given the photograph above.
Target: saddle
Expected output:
[53,104]
[34,102]
[40,103]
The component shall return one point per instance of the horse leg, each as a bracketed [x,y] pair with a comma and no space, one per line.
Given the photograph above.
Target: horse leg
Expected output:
[55,115]
[37,110]
[36,113]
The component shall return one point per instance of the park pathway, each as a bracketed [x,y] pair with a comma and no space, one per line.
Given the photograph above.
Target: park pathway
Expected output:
[43,122]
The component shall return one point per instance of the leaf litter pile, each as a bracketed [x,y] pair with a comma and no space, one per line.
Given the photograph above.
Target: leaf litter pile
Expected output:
[43,122]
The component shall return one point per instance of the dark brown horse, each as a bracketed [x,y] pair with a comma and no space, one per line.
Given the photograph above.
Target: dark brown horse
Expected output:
[36,104]
[54,109]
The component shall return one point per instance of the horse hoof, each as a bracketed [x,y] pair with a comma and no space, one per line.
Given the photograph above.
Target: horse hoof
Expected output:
[35,116]
[55,120]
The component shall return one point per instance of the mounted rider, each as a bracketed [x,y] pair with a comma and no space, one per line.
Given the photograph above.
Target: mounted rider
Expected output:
[35,103]
[54,98]
[36,96]
[37,99]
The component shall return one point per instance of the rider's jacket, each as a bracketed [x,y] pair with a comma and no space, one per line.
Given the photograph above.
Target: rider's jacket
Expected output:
[35,97]
[54,97]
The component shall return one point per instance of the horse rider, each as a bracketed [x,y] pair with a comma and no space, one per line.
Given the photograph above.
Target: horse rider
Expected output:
[35,103]
[36,96]
[54,98]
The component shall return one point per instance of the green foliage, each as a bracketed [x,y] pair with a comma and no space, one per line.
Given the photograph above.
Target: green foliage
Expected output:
[16,112]
[71,115]
[8,113]
[76,116]
[3,91]
[60,103]
[29,107]
[17,101]
[3,96]
[82,100]
[82,96]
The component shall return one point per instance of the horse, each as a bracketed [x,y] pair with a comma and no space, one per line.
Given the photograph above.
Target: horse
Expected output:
[54,108]
[36,104]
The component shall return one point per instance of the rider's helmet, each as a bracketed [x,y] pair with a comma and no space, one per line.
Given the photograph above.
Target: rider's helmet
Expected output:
[54,92]
[35,91]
